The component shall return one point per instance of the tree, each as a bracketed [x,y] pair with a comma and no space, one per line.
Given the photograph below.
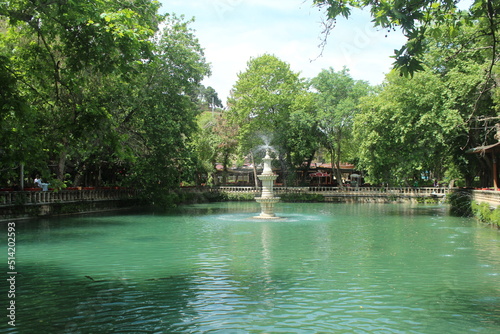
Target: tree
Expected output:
[62,54]
[165,121]
[418,18]
[208,98]
[303,133]
[19,143]
[461,63]
[261,104]
[458,50]
[111,95]
[337,101]
[407,130]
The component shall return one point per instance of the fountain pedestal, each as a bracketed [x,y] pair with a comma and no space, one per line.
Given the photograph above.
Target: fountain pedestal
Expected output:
[267,199]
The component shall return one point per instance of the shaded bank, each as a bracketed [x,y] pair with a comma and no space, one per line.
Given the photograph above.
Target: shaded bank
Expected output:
[29,204]
[476,203]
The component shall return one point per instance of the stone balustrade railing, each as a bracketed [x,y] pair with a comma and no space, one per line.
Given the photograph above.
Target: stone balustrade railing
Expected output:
[482,196]
[487,196]
[8,198]
[353,191]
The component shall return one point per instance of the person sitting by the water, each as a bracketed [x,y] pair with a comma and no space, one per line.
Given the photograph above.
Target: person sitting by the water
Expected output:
[40,184]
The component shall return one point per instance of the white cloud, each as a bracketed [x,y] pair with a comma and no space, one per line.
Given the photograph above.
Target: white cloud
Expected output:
[232,31]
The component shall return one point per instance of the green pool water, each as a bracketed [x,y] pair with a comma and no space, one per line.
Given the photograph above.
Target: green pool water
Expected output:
[324,268]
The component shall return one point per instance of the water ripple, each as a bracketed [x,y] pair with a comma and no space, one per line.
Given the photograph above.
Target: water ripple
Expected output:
[323,269]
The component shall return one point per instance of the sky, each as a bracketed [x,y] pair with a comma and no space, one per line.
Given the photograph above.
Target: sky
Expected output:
[234,31]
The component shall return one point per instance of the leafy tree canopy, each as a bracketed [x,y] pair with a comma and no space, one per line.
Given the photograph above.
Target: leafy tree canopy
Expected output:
[262,97]
[108,94]
[426,124]
[209,98]
[337,103]
[416,18]
[271,101]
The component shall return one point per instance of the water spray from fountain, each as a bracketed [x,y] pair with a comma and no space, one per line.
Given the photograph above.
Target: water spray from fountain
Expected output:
[266,138]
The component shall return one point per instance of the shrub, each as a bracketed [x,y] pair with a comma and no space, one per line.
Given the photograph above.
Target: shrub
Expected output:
[427,200]
[481,211]
[485,214]
[460,202]
[299,197]
[240,196]
[215,196]
[495,217]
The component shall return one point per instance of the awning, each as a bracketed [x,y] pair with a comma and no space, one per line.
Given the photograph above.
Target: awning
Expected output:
[319,174]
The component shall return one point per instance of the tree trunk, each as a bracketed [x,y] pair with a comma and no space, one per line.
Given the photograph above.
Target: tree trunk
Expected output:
[225,171]
[215,178]
[337,156]
[61,165]
[21,176]
[99,177]
[309,161]
[224,176]
[485,179]
[335,161]
[284,170]
[77,179]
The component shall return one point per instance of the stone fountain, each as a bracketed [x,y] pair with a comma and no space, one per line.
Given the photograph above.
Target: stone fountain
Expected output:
[267,199]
